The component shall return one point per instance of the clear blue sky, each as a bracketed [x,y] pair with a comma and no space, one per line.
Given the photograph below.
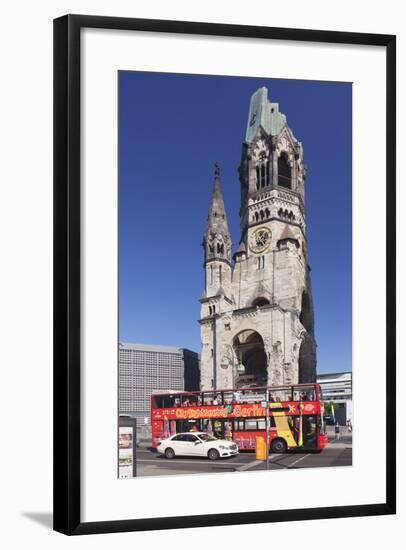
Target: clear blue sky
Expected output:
[172,128]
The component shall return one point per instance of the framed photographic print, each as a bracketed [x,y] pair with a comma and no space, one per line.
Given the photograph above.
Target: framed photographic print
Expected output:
[224,302]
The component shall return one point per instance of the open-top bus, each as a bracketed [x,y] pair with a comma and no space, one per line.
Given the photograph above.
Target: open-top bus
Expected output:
[295,417]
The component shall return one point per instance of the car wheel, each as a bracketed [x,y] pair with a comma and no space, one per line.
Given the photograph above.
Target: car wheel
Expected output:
[279,446]
[169,453]
[213,454]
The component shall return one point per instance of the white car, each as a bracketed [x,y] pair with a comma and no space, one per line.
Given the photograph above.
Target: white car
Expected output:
[196,444]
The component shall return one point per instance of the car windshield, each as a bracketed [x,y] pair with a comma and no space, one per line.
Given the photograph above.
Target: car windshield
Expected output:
[207,437]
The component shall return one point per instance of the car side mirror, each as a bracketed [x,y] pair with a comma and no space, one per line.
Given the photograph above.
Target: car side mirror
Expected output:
[197,442]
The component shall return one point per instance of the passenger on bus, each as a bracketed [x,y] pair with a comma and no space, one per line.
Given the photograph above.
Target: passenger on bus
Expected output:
[237,396]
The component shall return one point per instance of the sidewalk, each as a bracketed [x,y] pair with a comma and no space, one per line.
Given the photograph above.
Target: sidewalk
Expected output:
[144,443]
[343,431]
[345,439]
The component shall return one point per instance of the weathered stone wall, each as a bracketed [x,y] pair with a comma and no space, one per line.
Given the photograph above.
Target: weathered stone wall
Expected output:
[275,272]
[282,282]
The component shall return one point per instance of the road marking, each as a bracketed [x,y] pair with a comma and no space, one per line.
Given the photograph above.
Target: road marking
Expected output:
[249,465]
[206,462]
[296,461]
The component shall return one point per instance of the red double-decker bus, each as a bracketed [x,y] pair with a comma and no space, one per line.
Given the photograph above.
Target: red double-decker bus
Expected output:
[295,419]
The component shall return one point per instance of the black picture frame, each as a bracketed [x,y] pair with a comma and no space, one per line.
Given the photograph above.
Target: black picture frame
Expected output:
[67,287]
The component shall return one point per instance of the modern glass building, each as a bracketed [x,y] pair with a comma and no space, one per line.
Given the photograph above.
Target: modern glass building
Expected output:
[144,369]
[337,389]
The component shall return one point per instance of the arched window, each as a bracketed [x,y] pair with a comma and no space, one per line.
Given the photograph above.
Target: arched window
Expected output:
[257,168]
[263,175]
[250,352]
[284,172]
[261,170]
[260,262]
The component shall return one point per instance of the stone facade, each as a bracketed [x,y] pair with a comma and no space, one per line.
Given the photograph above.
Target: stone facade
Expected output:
[256,311]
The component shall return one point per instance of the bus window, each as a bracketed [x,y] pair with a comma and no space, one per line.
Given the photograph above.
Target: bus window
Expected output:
[271,422]
[218,398]
[250,424]
[279,395]
[195,400]
[163,401]
[184,401]
[239,425]
[253,395]
[307,393]
[296,394]
[188,400]
[294,425]
[218,429]
[228,397]
[261,424]
[189,425]
[207,398]
[309,431]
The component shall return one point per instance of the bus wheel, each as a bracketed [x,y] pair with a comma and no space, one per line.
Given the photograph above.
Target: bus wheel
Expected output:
[169,453]
[278,445]
[213,454]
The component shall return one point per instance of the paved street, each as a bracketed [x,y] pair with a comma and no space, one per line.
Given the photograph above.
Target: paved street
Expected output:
[337,453]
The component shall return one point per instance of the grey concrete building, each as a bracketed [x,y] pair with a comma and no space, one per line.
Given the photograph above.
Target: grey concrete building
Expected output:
[337,389]
[144,369]
[257,322]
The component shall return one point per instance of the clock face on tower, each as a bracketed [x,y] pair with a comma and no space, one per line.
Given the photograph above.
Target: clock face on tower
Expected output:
[260,240]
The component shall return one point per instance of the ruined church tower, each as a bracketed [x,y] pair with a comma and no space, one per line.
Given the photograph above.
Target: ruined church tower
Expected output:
[257,324]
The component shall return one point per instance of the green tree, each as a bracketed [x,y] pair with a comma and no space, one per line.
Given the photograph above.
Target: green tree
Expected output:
[328,408]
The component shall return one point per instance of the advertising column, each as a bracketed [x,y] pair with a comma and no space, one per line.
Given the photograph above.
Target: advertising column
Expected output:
[127,466]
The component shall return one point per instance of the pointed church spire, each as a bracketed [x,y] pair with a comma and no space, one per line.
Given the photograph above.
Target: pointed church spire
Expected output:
[217,219]
[217,239]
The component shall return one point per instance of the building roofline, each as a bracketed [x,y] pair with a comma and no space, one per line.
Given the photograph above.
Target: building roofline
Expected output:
[333,373]
[152,347]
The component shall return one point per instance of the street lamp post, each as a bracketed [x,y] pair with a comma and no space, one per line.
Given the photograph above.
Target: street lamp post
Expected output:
[267,429]
[265,404]
[214,328]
